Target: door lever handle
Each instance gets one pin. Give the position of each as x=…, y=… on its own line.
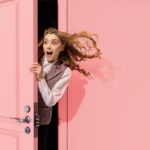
x=27, y=119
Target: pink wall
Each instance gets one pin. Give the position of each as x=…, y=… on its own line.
x=111, y=111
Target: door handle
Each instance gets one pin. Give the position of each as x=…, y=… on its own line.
x=27, y=119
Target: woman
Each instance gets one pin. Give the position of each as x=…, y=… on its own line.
x=58, y=54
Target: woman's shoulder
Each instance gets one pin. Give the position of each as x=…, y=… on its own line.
x=68, y=71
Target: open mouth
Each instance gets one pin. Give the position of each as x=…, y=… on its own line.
x=49, y=53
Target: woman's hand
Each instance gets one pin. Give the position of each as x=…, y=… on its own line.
x=37, y=68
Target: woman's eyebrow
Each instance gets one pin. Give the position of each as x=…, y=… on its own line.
x=52, y=39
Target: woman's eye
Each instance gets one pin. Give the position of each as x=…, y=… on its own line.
x=54, y=43
x=45, y=42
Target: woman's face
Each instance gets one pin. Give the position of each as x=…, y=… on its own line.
x=52, y=46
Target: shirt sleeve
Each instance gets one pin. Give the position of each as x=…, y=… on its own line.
x=52, y=96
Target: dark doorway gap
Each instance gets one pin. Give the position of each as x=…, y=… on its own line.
x=48, y=17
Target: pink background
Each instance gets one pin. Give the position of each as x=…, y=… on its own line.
x=111, y=110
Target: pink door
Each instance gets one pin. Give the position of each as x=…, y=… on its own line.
x=18, y=97
x=112, y=110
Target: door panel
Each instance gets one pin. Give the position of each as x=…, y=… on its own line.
x=110, y=111
x=63, y=104
x=18, y=36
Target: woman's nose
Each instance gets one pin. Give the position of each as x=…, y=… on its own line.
x=49, y=46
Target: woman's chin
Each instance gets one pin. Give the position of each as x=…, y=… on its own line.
x=50, y=60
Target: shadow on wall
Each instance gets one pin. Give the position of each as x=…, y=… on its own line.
x=102, y=71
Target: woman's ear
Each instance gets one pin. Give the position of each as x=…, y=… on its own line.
x=62, y=47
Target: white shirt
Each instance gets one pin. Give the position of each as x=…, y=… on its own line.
x=52, y=96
